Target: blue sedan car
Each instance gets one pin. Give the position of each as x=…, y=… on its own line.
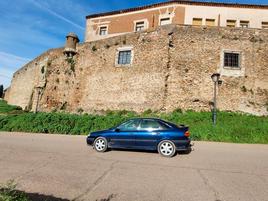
x=143, y=134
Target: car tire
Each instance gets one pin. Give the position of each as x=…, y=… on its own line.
x=100, y=144
x=167, y=148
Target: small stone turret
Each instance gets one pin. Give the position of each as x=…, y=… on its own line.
x=70, y=46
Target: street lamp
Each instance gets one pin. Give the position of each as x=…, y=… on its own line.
x=216, y=79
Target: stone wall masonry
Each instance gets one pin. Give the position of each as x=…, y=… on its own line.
x=197, y=55
x=28, y=78
x=96, y=84
x=171, y=69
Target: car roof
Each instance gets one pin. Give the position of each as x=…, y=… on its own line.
x=146, y=118
x=155, y=119
x=152, y=118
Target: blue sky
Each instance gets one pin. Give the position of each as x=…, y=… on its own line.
x=30, y=27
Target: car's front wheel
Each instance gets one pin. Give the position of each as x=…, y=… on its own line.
x=167, y=148
x=100, y=144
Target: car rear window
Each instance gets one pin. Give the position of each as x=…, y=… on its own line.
x=148, y=124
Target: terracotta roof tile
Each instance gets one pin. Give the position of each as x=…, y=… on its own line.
x=197, y=3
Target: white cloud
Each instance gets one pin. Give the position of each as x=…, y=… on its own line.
x=10, y=60
x=9, y=63
x=44, y=7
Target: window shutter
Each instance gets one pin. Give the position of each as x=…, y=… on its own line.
x=264, y=25
x=210, y=22
x=197, y=21
x=231, y=23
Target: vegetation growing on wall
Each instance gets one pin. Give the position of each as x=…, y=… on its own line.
x=231, y=127
x=49, y=62
x=43, y=69
x=71, y=62
x=94, y=48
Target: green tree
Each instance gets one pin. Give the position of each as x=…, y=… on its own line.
x=1, y=91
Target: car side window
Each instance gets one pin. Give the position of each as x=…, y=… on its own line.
x=148, y=124
x=129, y=125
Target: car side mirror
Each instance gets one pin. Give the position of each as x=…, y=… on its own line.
x=117, y=130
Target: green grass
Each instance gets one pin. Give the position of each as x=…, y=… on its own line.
x=8, y=193
x=231, y=127
x=5, y=108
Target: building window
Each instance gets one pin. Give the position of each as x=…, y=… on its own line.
x=244, y=24
x=210, y=22
x=139, y=26
x=264, y=25
x=124, y=57
x=232, y=59
x=231, y=23
x=197, y=21
x=103, y=31
x=165, y=21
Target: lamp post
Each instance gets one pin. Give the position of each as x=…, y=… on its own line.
x=215, y=78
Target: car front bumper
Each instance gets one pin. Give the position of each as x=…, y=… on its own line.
x=90, y=141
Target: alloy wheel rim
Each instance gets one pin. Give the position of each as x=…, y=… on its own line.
x=166, y=148
x=100, y=144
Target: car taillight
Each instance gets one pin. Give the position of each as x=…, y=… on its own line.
x=187, y=134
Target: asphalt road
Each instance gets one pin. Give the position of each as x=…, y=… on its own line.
x=56, y=167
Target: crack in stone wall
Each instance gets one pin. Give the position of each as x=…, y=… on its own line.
x=167, y=72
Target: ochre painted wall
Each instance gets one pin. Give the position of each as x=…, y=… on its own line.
x=126, y=23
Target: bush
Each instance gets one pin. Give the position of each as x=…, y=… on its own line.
x=231, y=127
x=8, y=193
x=60, y=122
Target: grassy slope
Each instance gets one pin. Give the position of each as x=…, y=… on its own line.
x=5, y=108
x=231, y=127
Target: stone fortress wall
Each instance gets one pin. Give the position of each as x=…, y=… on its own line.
x=171, y=68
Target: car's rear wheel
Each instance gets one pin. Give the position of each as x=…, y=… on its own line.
x=167, y=148
x=100, y=144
